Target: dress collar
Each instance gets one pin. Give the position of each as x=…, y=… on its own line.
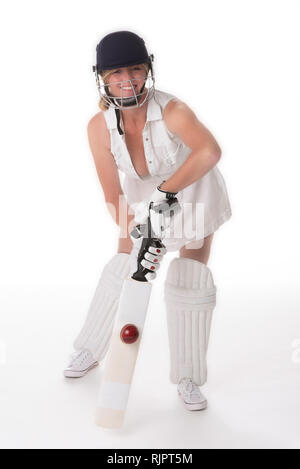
x=154, y=111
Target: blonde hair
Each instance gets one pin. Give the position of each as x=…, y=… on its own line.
x=103, y=105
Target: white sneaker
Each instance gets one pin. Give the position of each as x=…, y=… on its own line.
x=81, y=363
x=191, y=395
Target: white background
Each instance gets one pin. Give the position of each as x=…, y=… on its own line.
x=236, y=63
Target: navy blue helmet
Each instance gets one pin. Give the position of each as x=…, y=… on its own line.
x=123, y=49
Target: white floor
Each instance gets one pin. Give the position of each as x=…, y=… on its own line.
x=253, y=388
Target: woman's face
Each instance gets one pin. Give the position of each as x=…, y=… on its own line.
x=122, y=81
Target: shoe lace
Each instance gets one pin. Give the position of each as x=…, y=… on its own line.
x=77, y=355
x=191, y=387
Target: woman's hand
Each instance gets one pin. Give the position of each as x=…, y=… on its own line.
x=146, y=254
x=160, y=201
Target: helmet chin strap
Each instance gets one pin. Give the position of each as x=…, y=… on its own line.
x=118, y=116
x=125, y=102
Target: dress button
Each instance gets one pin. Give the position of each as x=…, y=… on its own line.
x=147, y=139
x=150, y=162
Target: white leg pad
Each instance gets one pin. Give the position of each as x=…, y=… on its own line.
x=190, y=296
x=97, y=329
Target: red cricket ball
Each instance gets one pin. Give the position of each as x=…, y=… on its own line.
x=129, y=334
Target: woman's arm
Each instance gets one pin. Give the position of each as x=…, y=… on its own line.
x=99, y=141
x=205, y=154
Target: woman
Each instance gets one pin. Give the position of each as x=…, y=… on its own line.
x=163, y=149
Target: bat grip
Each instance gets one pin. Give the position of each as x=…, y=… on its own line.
x=148, y=240
x=140, y=274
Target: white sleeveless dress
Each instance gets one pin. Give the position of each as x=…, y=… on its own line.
x=205, y=204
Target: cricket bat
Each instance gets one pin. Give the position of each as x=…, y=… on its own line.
x=125, y=342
